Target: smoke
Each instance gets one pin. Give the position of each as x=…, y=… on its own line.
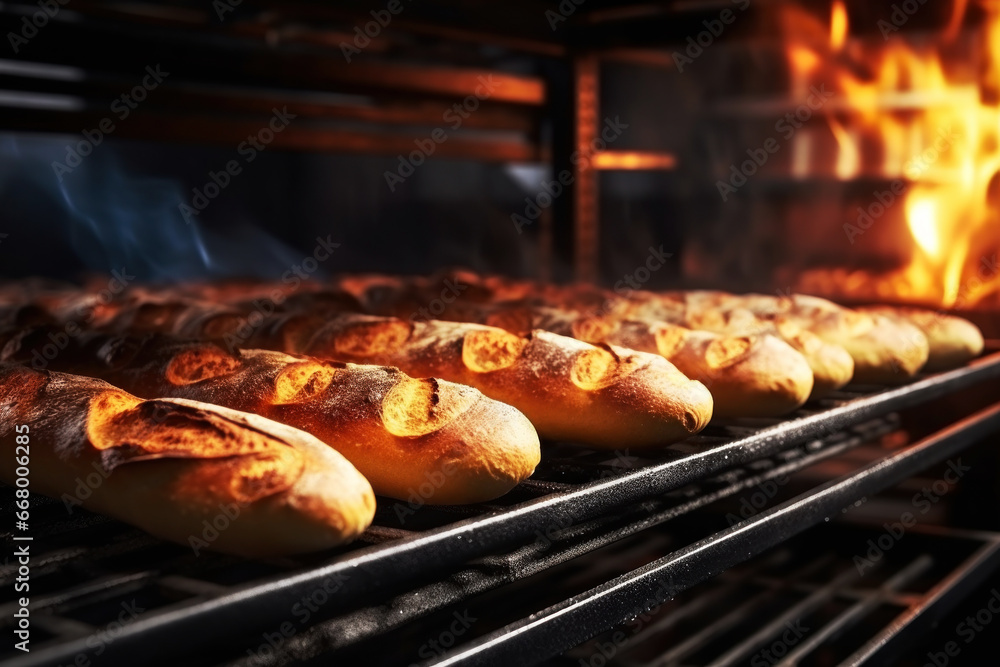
x=107, y=217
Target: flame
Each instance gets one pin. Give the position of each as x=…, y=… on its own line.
x=839, y=26
x=922, y=218
x=918, y=111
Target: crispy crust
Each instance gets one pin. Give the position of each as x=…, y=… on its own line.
x=570, y=390
x=952, y=340
x=398, y=431
x=168, y=465
x=748, y=376
x=884, y=351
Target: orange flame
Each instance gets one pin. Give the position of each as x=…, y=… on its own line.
x=920, y=111
x=839, y=26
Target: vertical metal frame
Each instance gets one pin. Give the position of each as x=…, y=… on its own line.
x=586, y=74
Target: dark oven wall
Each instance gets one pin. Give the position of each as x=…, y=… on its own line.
x=139, y=205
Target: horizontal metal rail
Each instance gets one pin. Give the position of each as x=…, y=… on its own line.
x=559, y=628
x=265, y=605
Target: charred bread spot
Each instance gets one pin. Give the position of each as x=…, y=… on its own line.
x=369, y=339
x=415, y=407
x=30, y=315
x=251, y=464
x=301, y=381
x=200, y=363
x=120, y=351
x=20, y=345
x=487, y=350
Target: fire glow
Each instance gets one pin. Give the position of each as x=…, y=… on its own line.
x=917, y=112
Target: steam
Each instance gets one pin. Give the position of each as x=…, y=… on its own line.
x=114, y=218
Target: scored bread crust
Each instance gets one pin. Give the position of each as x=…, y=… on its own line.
x=952, y=341
x=169, y=466
x=400, y=432
x=748, y=376
x=602, y=396
x=884, y=351
x=641, y=401
x=830, y=365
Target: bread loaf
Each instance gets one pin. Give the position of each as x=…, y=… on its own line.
x=884, y=351
x=170, y=465
x=831, y=365
x=748, y=376
x=398, y=431
x=754, y=382
x=603, y=396
x=952, y=341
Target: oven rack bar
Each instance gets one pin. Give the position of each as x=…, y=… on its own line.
x=885, y=609
x=564, y=545
x=264, y=603
x=561, y=627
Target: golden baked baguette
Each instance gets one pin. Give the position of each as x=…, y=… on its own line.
x=748, y=376
x=952, y=341
x=832, y=366
x=884, y=351
x=169, y=466
x=602, y=396
x=399, y=432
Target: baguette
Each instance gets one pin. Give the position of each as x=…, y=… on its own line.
x=748, y=376
x=952, y=341
x=831, y=364
x=602, y=396
x=170, y=465
x=758, y=380
x=884, y=351
x=399, y=432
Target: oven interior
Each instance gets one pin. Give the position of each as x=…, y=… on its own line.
x=748, y=145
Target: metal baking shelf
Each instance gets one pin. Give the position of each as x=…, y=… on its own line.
x=572, y=486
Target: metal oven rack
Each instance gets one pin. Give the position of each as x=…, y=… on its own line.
x=86, y=566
